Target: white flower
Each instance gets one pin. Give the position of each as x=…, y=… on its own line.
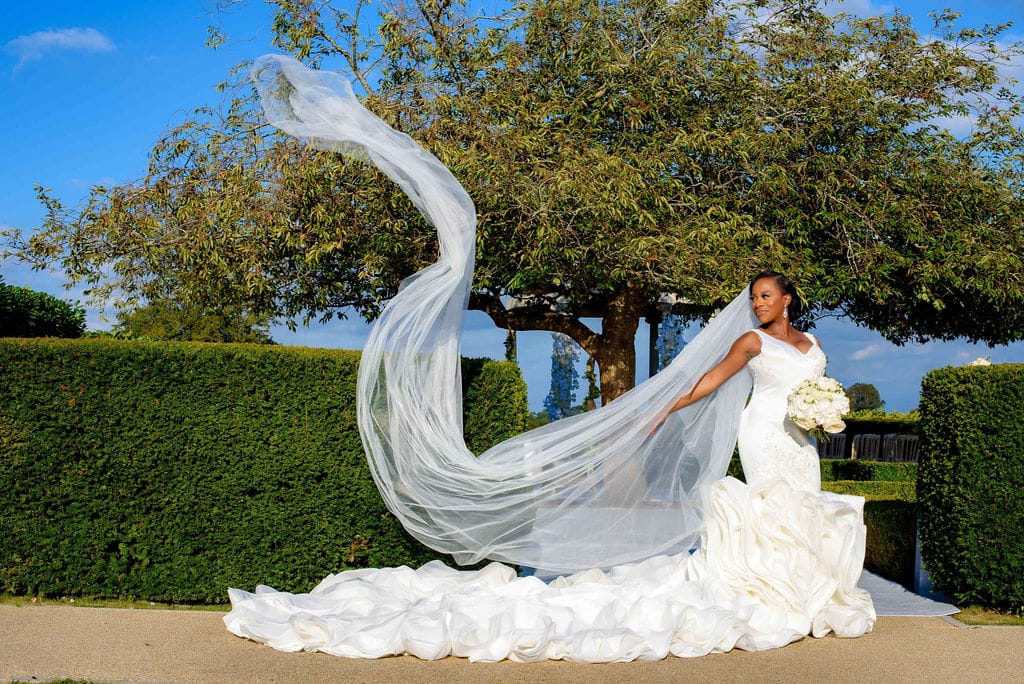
x=835, y=427
x=818, y=404
x=980, y=361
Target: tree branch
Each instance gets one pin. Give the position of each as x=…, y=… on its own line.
x=532, y=318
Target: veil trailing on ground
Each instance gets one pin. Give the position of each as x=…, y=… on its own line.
x=593, y=490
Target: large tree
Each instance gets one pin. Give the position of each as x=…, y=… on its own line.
x=616, y=150
x=184, y=321
x=864, y=397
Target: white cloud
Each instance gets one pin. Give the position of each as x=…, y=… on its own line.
x=859, y=8
x=37, y=45
x=958, y=126
x=1011, y=72
x=867, y=352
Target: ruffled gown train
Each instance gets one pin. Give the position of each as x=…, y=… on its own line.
x=778, y=560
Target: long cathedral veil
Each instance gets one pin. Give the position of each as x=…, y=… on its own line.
x=593, y=490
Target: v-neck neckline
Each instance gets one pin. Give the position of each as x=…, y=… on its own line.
x=787, y=344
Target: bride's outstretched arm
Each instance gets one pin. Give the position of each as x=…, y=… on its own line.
x=743, y=349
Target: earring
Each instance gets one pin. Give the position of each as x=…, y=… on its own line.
x=785, y=314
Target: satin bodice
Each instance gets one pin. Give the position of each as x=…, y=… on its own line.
x=779, y=368
x=771, y=447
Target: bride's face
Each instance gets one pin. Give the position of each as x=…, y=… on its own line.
x=768, y=300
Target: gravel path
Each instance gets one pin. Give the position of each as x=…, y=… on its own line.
x=42, y=643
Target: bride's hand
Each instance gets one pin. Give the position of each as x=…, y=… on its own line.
x=658, y=421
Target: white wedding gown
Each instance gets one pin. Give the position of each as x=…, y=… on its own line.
x=778, y=560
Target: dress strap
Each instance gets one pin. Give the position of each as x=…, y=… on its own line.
x=812, y=338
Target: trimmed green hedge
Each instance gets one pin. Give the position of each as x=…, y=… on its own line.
x=735, y=468
x=171, y=471
x=494, y=400
x=838, y=469
x=890, y=516
x=892, y=539
x=874, y=490
x=971, y=483
x=881, y=423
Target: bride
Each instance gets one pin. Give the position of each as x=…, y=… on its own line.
x=611, y=503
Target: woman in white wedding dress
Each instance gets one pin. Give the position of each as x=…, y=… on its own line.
x=780, y=539
x=777, y=559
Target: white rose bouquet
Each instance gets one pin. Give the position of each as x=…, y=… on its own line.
x=818, y=406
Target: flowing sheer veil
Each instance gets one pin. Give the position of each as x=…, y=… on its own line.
x=594, y=490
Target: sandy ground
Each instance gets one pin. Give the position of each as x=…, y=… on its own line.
x=43, y=643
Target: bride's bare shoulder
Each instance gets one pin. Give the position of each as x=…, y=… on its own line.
x=749, y=344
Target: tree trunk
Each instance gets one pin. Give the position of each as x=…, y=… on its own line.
x=616, y=353
x=612, y=349
x=616, y=359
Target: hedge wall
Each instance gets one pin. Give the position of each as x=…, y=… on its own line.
x=839, y=469
x=971, y=483
x=171, y=471
x=881, y=423
x=890, y=515
x=494, y=400
x=863, y=471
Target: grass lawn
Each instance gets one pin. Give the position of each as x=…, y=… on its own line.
x=976, y=615
x=106, y=603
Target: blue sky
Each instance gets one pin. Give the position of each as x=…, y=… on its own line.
x=88, y=87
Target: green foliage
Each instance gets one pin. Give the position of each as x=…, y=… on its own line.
x=494, y=399
x=735, y=468
x=26, y=313
x=892, y=540
x=171, y=320
x=535, y=420
x=863, y=471
x=874, y=490
x=883, y=416
x=864, y=397
x=971, y=483
x=640, y=147
x=171, y=471
x=881, y=423
x=890, y=515
x=879, y=474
